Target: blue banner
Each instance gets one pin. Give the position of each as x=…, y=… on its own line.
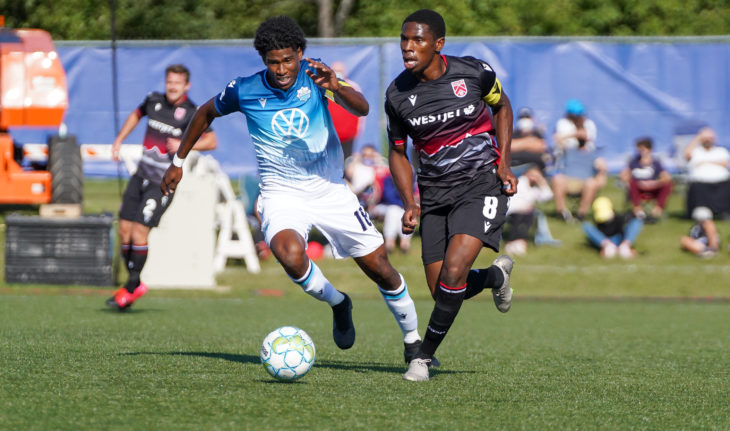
x=630, y=88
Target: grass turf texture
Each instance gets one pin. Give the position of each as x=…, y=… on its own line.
x=173, y=363
x=578, y=360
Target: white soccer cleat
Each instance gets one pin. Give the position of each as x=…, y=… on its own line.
x=503, y=295
x=417, y=370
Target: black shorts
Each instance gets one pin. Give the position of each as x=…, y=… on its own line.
x=715, y=196
x=143, y=202
x=477, y=208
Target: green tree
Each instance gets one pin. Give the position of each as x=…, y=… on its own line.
x=226, y=19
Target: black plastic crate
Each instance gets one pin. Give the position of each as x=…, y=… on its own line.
x=59, y=251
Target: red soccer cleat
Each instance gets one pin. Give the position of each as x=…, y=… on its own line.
x=122, y=299
x=139, y=292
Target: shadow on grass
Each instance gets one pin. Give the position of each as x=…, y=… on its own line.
x=335, y=365
x=130, y=310
x=243, y=359
x=377, y=367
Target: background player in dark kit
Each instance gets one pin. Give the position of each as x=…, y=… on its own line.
x=143, y=203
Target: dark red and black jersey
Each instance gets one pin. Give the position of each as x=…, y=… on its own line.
x=165, y=121
x=448, y=120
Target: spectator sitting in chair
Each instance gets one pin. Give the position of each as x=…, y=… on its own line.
x=612, y=234
x=703, y=239
x=580, y=170
x=528, y=144
x=647, y=180
x=708, y=174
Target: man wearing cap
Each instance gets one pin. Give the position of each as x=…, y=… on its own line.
x=579, y=170
x=612, y=234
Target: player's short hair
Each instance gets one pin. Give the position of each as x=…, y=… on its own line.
x=178, y=68
x=279, y=32
x=645, y=142
x=431, y=18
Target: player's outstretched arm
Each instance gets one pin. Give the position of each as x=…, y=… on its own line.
x=129, y=124
x=200, y=122
x=345, y=95
x=400, y=169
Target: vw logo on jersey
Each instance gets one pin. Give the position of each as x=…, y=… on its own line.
x=290, y=123
x=459, y=88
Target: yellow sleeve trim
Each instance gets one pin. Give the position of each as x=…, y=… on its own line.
x=494, y=94
x=330, y=95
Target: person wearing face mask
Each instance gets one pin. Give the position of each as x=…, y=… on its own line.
x=708, y=174
x=528, y=144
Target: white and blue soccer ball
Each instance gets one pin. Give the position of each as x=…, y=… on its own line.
x=287, y=353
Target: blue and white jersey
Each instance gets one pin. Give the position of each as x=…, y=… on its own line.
x=295, y=141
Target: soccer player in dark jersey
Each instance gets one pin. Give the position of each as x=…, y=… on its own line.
x=453, y=109
x=143, y=203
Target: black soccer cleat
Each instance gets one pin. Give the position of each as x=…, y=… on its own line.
x=410, y=351
x=118, y=299
x=343, y=330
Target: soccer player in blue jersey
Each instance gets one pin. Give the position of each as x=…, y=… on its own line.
x=301, y=167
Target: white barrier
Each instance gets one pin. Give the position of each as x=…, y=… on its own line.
x=184, y=250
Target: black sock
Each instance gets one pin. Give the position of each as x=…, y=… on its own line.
x=126, y=252
x=137, y=260
x=448, y=303
x=479, y=279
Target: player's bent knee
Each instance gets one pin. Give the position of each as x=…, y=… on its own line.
x=453, y=275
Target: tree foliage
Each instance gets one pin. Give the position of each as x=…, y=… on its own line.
x=226, y=19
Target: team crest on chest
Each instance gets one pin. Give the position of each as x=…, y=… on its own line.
x=459, y=88
x=303, y=94
x=179, y=113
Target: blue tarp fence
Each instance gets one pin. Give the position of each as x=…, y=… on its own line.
x=630, y=87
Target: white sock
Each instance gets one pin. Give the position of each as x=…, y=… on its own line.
x=316, y=284
x=401, y=305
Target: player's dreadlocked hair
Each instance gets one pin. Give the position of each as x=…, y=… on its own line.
x=431, y=18
x=280, y=32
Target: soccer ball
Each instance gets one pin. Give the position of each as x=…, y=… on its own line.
x=287, y=353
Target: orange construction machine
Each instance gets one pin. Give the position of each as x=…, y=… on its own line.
x=33, y=94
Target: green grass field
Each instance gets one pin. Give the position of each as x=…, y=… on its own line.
x=588, y=344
